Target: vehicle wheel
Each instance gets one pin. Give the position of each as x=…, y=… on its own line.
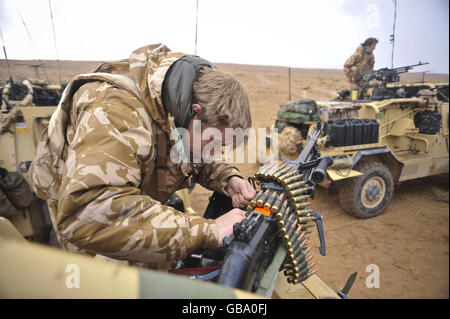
x=368, y=195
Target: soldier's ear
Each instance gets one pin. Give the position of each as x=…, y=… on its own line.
x=197, y=108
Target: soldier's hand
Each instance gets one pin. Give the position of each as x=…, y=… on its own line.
x=241, y=192
x=226, y=222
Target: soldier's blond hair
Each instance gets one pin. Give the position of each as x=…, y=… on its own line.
x=224, y=99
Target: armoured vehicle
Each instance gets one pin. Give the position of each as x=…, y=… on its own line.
x=395, y=132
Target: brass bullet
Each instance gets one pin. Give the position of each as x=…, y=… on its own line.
x=299, y=254
x=298, y=199
x=260, y=201
x=296, y=185
x=285, y=220
x=265, y=168
x=282, y=172
x=277, y=203
x=298, y=192
x=300, y=239
x=299, y=206
x=270, y=199
x=282, y=210
x=292, y=179
x=274, y=170
x=255, y=198
x=306, y=219
x=287, y=175
x=302, y=212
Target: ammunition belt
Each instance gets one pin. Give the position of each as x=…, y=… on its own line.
x=287, y=203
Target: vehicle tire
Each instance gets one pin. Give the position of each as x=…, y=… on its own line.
x=368, y=195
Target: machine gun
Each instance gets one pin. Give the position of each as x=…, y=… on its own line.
x=382, y=76
x=277, y=222
x=386, y=75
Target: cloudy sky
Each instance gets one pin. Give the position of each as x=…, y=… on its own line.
x=307, y=34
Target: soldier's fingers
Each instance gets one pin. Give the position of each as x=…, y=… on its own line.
x=246, y=190
x=238, y=200
x=251, y=192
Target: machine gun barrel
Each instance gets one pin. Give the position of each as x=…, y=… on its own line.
x=386, y=75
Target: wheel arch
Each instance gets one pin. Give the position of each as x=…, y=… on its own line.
x=382, y=155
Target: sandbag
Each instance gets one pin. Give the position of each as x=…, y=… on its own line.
x=16, y=188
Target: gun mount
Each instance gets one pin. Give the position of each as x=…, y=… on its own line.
x=383, y=77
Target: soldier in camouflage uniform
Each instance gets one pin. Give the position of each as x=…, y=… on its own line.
x=362, y=61
x=104, y=167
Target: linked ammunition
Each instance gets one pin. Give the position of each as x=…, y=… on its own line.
x=306, y=219
x=299, y=243
x=307, y=275
x=298, y=199
x=270, y=199
x=292, y=179
x=296, y=262
x=306, y=225
x=296, y=185
x=282, y=210
x=262, y=170
x=299, y=240
x=277, y=203
x=249, y=208
x=255, y=198
x=274, y=170
x=287, y=175
x=301, y=276
x=290, y=230
x=282, y=172
x=298, y=192
x=299, y=206
x=302, y=212
x=299, y=254
x=302, y=263
x=260, y=201
x=291, y=267
x=287, y=219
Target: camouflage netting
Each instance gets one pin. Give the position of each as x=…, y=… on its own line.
x=299, y=111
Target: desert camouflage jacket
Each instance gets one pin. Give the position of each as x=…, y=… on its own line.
x=359, y=63
x=95, y=166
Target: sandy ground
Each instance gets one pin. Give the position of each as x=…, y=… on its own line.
x=409, y=242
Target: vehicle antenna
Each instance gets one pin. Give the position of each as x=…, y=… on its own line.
x=54, y=38
x=6, y=56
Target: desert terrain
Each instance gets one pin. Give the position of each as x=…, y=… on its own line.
x=409, y=242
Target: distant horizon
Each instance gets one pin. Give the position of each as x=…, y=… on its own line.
x=265, y=65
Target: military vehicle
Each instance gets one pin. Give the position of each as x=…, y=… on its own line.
x=395, y=132
x=24, y=114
